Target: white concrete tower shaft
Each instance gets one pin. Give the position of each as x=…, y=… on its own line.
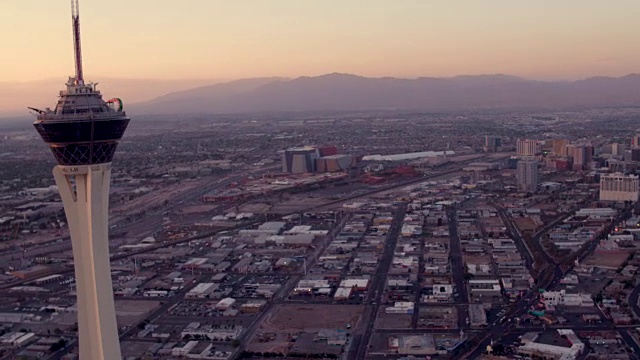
x=85, y=194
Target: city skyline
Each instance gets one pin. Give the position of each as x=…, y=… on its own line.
x=224, y=40
x=359, y=212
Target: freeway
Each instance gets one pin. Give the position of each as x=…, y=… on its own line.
x=140, y=227
x=67, y=244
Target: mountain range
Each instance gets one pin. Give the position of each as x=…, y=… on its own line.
x=16, y=96
x=348, y=92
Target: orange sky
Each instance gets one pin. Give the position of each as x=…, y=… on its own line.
x=222, y=39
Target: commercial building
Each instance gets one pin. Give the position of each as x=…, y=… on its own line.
x=477, y=315
x=561, y=297
x=207, y=332
x=333, y=163
x=401, y=307
x=309, y=159
x=527, y=147
x=581, y=155
x=617, y=149
x=527, y=175
x=554, y=352
x=32, y=272
x=619, y=187
x=328, y=150
x=557, y=147
x=17, y=339
x=485, y=287
x=225, y=303
x=202, y=290
x=492, y=143
x=300, y=160
x=413, y=345
x=342, y=293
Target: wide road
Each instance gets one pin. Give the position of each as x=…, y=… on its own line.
x=455, y=255
x=498, y=329
x=360, y=344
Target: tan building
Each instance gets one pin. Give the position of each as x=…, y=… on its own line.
x=527, y=147
x=619, y=187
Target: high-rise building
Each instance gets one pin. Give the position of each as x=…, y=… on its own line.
x=557, y=147
x=300, y=160
x=617, y=149
x=328, y=150
x=83, y=132
x=635, y=141
x=492, y=143
x=619, y=187
x=527, y=147
x=580, y=155
x=527, y=175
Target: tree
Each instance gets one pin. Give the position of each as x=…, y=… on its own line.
x=58, y=345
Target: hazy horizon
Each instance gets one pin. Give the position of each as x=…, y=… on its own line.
x=15, y=97
x=172, y=46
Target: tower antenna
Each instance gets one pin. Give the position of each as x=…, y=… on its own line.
x=77, y=47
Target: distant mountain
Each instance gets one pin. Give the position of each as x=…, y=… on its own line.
x=16, y=96
x=344, y=92
x=202, y=99
x=352, y=92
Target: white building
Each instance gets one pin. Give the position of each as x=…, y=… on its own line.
x=527, y=175
x=619, y=187
x=184, y=350
x=401, y=307
x=202, y=290
x=527, y=147
x=358, y=284
x=342, y=293
x=225, y=303
x=546, y=351
x=561, y=297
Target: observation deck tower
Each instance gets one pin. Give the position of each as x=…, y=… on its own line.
x=83, y=132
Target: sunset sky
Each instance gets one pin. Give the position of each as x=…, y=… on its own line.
x=141, y=49
x=222, y=39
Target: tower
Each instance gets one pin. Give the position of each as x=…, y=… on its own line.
x=527, y=175
x=527, y=147
x=83, y=132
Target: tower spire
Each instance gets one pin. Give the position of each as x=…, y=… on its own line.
x=75, y=20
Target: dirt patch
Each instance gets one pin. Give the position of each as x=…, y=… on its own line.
x=197, y=209
x=134, y=348
x=314, y=317
x=609, y=260
x=392, y=321
x=255, y=208
x=525, y=224
x=289, y=321
x=129, y=312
